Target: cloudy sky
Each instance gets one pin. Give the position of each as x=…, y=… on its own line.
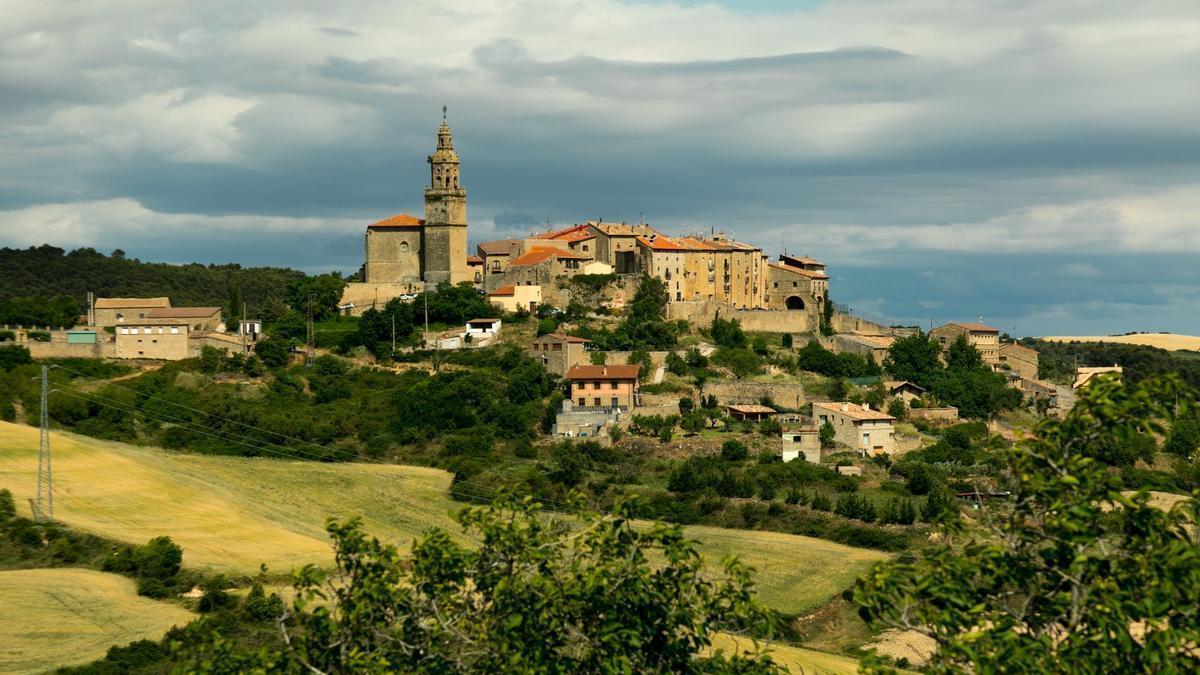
x=1035, y=163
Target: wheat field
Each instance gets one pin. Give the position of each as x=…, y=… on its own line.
x=51, y=618
x=1161, y=340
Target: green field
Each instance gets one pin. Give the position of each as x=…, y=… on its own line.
x=795, y=659
x=229, y=513
x=59, y=617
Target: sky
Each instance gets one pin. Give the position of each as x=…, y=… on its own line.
x=1034, y=164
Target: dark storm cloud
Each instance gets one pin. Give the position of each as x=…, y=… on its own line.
x=1023, y=160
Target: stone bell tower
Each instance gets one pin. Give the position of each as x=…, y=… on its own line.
x=445, y=231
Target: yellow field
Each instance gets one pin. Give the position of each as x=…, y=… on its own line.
x=1160, y=340
x=795, y=659
x=51, y=618
x=229, y=514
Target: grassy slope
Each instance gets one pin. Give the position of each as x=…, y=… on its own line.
x=229, y=514
x=58, y=617
x=795, y=659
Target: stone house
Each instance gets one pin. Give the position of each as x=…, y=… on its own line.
x=616, y=243
x=870, y=432
x=558, y=352
x=796, y=283
x=578, y=238
x=1018, y=359
x=163, y=339
x=510, y=297
x=497, y=254
x=803, y=444
x=540, y=266
x=705, y=270
x=199, y=318
x=750, y=411
x=904, y=390
x=604, y=387
x=1085, y=374
x=874, y=347
x=117, y=311
x=984, y=338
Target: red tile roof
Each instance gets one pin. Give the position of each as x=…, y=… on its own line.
x=570, y=234
x=660, y=243
x=977, y=327
x=508, y=289
x=399, y=220
x=540, y=254
x=802, y=272
x=474, y=260
x=603, y=372
x=182, y=312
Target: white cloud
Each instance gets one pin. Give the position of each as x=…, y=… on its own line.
x=97, y=223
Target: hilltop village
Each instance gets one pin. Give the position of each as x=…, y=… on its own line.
x=593, y=368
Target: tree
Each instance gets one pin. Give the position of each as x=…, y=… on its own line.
x=324, y=291
x=734, y=450
x=535, y=595
x=742, y=362
x=727, y=333
x=963, y=356
x=273, y=351
x=827, y=435
x=759, y=345
x=686, y=405
x=1071, y=575
x=916, y=358
x=641, y=357
x=897, y=409
x=827, y=310
x=676, y=364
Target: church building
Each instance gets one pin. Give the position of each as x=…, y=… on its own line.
x=415, y=252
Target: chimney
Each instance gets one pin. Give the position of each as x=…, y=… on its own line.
x=604, y=370
x=866, y=406
x=844, y=407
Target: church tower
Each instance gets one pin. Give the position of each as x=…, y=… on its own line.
x=445, y=231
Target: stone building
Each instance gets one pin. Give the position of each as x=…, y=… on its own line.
x=497, y=254
x=164, y=339
x=604, y=387
x=984, y=338
x=558, y=352
x=199, y=318
x=116, y=311
x=803, y=443
x=796, y=283
x=1019, y=359
x=705, y=270
x=616, y=243
x=855, y=426
x=403, y=254
x=510, y=297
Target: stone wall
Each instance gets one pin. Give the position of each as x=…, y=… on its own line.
x=848, y=323
x=59, y=348
x=364, y=296
x=946, y=414
x=701, y=313
x=787, y=394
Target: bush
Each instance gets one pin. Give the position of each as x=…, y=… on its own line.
x=734, y=450
x=8, y=508
x=153, y=588
x=38, y=335
x=821, y=502
x=897, y=409
x=13, y=355
x=770, y=427
x=827, y=435
x=727, y=333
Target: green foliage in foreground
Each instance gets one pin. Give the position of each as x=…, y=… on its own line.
x=1072, y=576
x=538, y=595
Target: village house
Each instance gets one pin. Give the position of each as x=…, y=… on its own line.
x=558, y=352
x=199, y=318
x=904, y=390
x=108, y=312
x=858, y=426
x=497, y=254
x=750, y=412
x=1019, y=359
x=164, y=339
x=714, y=269
x=983, y=338
x=1085, y=374
x=605, y=386
x=874, y=347
x=796, y=284
x=616, y=243
x=539, y=266
x=483, y=328
x=511, y=297
x=803, y=443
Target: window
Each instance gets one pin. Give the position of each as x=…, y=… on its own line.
x=582, y=402
x=597, y=400
x=174, y=330
x=585, y=248
x=557, y=347
x=145, y=331
x=614, y=402
x=612, y=385
x=404, y=247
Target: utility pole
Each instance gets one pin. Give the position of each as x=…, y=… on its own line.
x=45, y=486
x=393, y=333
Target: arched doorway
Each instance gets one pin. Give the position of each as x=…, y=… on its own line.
x=795, y=302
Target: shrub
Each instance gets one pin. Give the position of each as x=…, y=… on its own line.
x=38, y=336
x=897, y=409
x=827, y=435
x=821, y=502
x=8, y=508
x=734, y=450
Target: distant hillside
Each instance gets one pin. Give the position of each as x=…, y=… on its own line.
x=34, y=276
x=1161, y=340
x=1057, y=360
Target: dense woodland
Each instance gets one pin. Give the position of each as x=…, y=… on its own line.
x=46, y=285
